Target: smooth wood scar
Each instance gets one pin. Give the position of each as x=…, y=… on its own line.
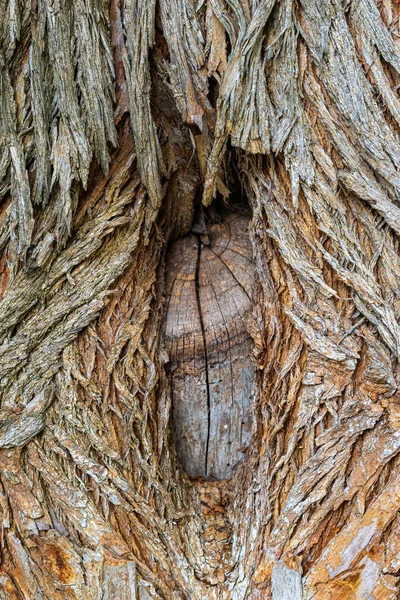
x=209, y=290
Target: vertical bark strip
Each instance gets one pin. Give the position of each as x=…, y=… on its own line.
x=121, y=121
x=139, y=30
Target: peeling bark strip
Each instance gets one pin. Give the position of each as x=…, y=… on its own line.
x=209, y=290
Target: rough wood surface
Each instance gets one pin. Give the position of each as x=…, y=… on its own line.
x=209, y=290
x=116, y=118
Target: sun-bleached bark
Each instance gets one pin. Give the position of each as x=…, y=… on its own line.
x=119, y=121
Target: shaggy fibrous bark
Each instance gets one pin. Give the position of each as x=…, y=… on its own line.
x=118, y=120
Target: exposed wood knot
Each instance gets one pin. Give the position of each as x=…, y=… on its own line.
x=209, y=289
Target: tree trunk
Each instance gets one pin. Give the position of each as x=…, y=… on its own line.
x=199, y=314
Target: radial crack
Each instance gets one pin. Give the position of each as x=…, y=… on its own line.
x=205, y=351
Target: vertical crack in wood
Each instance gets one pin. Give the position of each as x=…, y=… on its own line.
x=230, y=357
x=197, y=285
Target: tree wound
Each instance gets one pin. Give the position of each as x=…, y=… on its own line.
x=209, y=290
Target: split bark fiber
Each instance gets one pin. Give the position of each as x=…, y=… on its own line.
x=116, y=118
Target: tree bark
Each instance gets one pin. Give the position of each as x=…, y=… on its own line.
x=127, y=125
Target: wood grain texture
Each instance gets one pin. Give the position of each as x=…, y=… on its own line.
x=209, y=297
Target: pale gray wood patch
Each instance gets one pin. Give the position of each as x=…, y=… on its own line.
x=209, y=299
x=286, y=583
x=119, y=582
